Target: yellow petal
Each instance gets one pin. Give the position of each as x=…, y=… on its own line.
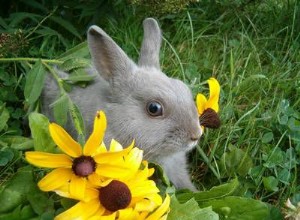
x=134, y=159
x=99, y=213
x=89, y=194
x=94, y=179
x=115, y=146
x=162, y=210
x=143, y=215
x=96, y=137
x=143, y=188
x=43, y=159
x=102, y=148
x=106, y=182
x=164, y=217
x=64, y=141
x=214, y=94
x=155, y=197
x=105, y=217
x=201, y=103
x=145, y=205
x=82, y=210
x=125, y=214
x=55, y=179
x=77, y=187
x=115, y=172
x=112, y=157
x=151, y=172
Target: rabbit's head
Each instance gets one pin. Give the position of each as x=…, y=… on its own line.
x=142, y=103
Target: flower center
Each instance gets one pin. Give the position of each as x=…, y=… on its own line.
x=210, y=119
x=115, y=196
x=83, y=166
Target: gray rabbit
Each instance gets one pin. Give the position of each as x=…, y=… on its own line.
x=140, y=101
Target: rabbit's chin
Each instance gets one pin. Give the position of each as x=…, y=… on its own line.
x=191, y=145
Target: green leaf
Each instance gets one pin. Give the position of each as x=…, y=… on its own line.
x=36, y=5
x=294, y=124
x=80, y=50
x=190, y=211
x=276, y=157
x=159, y=173
x=34, y=82
x=284, y=176
x=60, y=109
x=4, y=116
x=19, y=213
x=18, y=142
x=80, y=75
x=3, y=23
x=39, y=201
x=6, y=155
x=270, y=183
x=67, y=203
x=283, y=120
x=220, y=191
x=42, y=140
x=267, y=137
x=16, y=18
x=274, y=213
x=236, y=162
x=16, y=189
x=78, y=122
x=74, y=63
x=237, y=208
x=66, y=25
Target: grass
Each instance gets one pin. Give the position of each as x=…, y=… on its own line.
x=253, y=51
x=257, y=68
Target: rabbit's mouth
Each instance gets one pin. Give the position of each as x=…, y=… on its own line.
x=191, y=145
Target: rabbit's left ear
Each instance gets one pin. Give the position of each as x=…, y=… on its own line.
x=149, y=55
x=109, y=59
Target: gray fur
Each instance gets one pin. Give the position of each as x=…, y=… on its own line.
x=123, y=88
x=149, y=55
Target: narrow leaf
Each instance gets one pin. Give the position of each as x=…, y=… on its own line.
x=80, y=50
x=80, y=75
x=4, y=116
x=60, y=109
x=78, y=122
x=66, y=25
x=34, y=82
x=74, y=63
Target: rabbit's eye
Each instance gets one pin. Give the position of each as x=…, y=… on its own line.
x=154, y=108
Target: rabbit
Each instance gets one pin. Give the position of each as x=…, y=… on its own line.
x=140, y=101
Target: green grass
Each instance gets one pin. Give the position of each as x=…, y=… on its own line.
x=254, y=56
x=251, y=48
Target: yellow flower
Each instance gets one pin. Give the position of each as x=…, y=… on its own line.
x=78, y=166
x=208, y=108
x=134, y=197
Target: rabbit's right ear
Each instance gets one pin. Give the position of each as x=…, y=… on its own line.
x=109, y=59
x=151, y=44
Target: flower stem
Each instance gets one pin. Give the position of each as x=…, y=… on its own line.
x=29, y=59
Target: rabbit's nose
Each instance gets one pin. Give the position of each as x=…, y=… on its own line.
x=195, y=136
